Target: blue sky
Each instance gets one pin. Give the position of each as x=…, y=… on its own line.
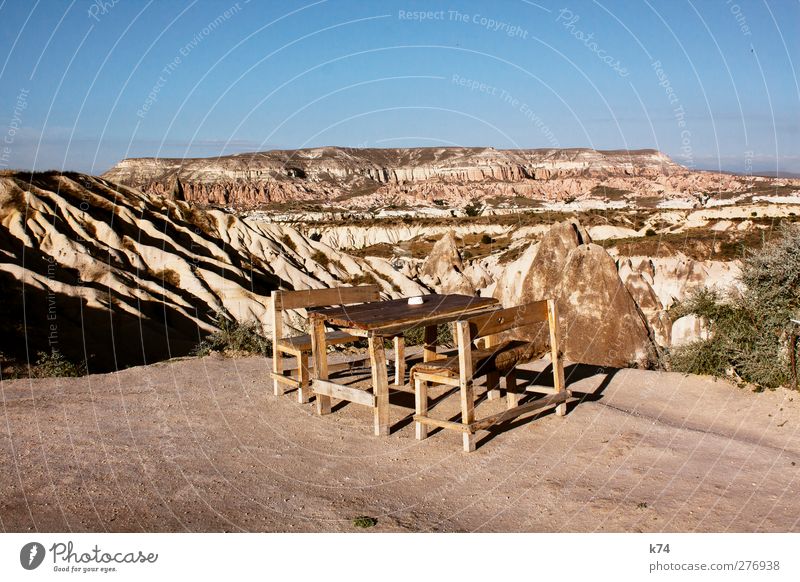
x=713, y=83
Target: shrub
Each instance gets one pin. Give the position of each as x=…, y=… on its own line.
x=233, y=336
x=364, y=521
x=486, y=239
x=748, y=331
x=444, y=336
x=288, y=242
x=55, y=365
x=650, y=232
x=366, y=278
x=473, y=209
x=321, y=258
x=167, y=277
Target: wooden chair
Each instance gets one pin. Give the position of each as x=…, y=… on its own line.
x=492, y=360
x=299, y=346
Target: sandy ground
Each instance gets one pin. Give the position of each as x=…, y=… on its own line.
x=203, y=445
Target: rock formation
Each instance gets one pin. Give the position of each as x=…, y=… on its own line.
x=443, y=270
x=364, y=178
x=601, y=323
x=109, y=275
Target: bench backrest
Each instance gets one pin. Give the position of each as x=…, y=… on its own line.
x=325, y=297
x=506, y=319
x=491, y=325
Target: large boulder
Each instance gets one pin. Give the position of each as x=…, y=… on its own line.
x=602, y=323
x=546, y=270
x=443, y=270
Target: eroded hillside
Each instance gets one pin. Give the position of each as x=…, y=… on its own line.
x=344, y=179
x=109, y=275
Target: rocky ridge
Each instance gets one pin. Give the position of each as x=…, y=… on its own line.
x=451, y=177
x=116, y=277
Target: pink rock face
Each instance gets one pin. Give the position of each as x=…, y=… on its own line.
x=368, y=177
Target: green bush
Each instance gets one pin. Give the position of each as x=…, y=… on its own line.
x=444, y=336
x=749, y=330
x=321, y=258
x=473, y=209
x=55, y=365
x=233, y=336
x=289, y=243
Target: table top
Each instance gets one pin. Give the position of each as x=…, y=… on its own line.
x=396, y=315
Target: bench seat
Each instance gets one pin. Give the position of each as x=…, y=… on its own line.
x=302, y=343
x=501, y=358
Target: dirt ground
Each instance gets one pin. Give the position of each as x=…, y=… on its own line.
x=203, y=445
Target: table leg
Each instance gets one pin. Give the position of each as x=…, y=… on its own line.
x=304, y=390
x=380, y=385
x=399, y=360
x=429, y=344
x=493, y=378
x=319, y=351
x=421, y=407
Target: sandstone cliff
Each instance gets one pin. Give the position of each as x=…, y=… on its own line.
x=362, y=178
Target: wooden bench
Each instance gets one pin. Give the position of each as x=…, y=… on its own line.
x=494, y=360
x=299, y=346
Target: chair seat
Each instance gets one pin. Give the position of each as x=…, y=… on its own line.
x=501, y=358
x=302, y=343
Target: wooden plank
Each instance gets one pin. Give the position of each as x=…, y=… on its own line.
x=505, y=319
x=279, y=377
x=350, y=363
x=518, y=411
x=380, y=386
x=302, y=343
x=555, y=353
x=448, y=424
x=333, y=296
x=391, y=330
x=320, y=355
x=446, y=380
x=398, y=312
x=467, y=392
x=276, y=320
x=327, y=389
x=399, y=360
x=420, y=407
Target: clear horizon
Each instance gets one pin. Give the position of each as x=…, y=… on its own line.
x=712, y=84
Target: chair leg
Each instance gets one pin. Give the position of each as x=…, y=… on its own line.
x=399, y=360
x=468, y=414
x=421, y=406
x=493, y=385
x=277, y=369
x=319, y=349
x=512, y=396
x=304, y=390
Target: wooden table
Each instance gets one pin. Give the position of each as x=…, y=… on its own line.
x=378, y=321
